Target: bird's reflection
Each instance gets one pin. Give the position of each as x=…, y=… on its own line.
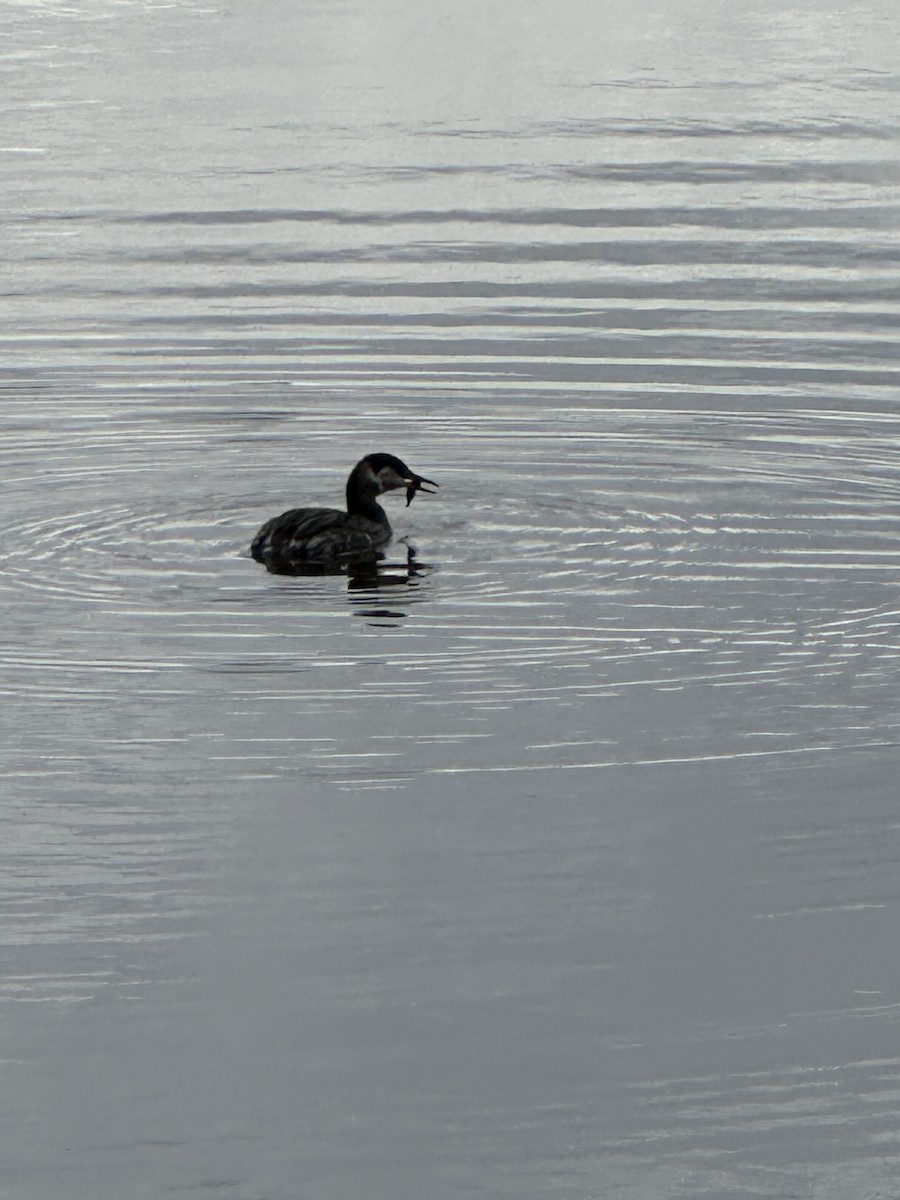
x=367, y=578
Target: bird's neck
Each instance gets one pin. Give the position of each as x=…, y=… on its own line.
x=362, y=503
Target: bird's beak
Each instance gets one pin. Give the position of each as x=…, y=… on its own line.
x=417, y=484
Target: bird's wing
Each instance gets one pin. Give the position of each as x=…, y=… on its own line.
x=294, y=527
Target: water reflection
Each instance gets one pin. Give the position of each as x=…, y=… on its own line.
x=366, y=578
x=371, y=570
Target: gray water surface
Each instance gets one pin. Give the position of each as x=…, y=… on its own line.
x=565, y=864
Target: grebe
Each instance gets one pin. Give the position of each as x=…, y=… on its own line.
x=327, y=535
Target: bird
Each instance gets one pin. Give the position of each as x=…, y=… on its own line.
x=328, y=537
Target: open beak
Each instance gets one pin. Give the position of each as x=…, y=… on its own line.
x=417, y=484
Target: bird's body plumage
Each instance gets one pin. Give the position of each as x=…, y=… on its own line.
x=319, y=533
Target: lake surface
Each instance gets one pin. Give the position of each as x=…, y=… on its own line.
x=565, y=863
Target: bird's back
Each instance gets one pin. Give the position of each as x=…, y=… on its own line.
x=318, y=534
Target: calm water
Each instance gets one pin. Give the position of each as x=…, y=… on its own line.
x=566, y=865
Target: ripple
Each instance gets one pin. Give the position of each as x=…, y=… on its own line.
x=663, y=502
x=680, y=553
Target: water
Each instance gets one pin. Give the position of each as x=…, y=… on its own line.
x=566, y=863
